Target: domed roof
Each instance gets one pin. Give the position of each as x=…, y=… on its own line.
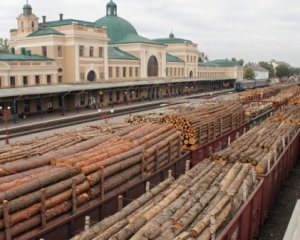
x=111, y=4
x=117, y=28
x=27, y=9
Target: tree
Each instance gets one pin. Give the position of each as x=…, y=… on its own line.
x=283, y=71
x=294, y=71
x=241, y=62
x=269, y=67
x=4, y=48
x=248, y=73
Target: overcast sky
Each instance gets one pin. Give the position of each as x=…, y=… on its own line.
x=250, y=29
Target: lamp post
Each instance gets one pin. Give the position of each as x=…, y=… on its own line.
x=5, y=115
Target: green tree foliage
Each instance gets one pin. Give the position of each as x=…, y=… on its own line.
x=248, y=73
x=269, y=67
x=4, y=48
x=283, y=71
x=241, y=62
x=294, y=71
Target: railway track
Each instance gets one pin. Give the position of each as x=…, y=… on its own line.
x=23, y=130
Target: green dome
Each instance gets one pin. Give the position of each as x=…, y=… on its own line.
x=111, y=4
x=27, y=10
x=117, y=28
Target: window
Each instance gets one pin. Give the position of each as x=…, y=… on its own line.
x=50, y=104
x=12, y=81
x=26, y=106
x=91, y=51
x=91, y=76
x=100, y=52
x=44, y=51
x=136, y=71
x=0, y=82
x=124, y=72
x=60, y=79
x=38, y=105
x=81, y=51
x=32, y=24
x=48, y=79
x=82, y=75
x=59, y=51
x=117, y=72
x=82, y=100
x=110, y=72
x=130, y=72
x=110, y=94
x=101, y=75
x=25, y=80
x=152, y=67
x=37, y=80
x=167, y=71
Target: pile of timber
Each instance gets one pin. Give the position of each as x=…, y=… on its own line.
x=258, y=94
x=196, y=206
x=36, y=190
x=255, y=109
x=42, y=145
x=207, y=123
x=145, y=118
x=284, y=96
x=295, y=101
x=263, y=93
x=261, y=146
x=290, y=115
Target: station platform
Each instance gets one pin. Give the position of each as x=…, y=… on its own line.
x=56, y=116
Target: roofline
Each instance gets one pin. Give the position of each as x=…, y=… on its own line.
x=32, y=90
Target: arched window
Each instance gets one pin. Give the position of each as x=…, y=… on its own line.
x=60, y=70
x=152, y=67
x=22, y=25
x=32, y=24
x=91, y=76
x=191, y=74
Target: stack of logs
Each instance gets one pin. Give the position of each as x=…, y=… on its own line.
x=255, y=109
x=262, y=145
x=290, y=115
x=42, y=145
x=35, y=190
x=284, y=96
x=259, y=94
x=196, y=206
x=207, y=123
x=295, y=101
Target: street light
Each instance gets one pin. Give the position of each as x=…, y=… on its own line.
x=5, y=114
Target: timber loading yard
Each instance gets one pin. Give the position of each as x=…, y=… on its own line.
x=211, y=166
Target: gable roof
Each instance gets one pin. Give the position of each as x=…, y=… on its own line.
x=172, y=40
x=219, y=63
x=116, y=53
x=21, y=57
x=135, y=38
x=44, y=32
x=257, y=68
x=67, y=22
x=171, y=58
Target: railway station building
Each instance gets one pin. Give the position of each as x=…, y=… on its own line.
x=69, y=64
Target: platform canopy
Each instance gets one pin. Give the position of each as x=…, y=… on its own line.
x=63, y=88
